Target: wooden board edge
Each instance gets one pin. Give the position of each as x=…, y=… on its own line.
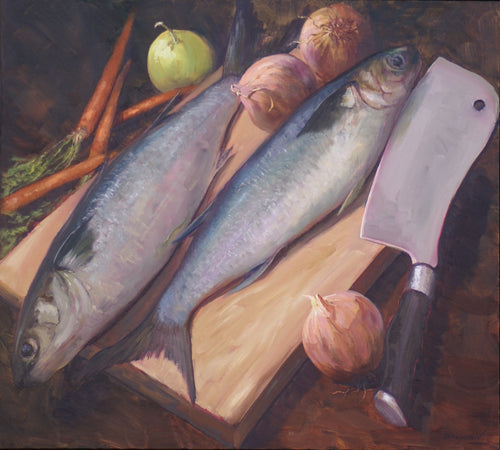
x=230, y=435
x=297, y=358
x=377, y=267
x=233, y=435
x=10, y=298
x=141, y=383
x=269, y=395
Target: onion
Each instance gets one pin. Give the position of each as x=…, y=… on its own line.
x=344, y=335
x=273, y=87
x=179, y=58
x=333, y=39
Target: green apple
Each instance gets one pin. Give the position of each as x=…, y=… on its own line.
x=179, y=58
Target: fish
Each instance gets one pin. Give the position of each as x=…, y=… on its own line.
x=124, y=229
x=120, y=235
x=314, y=164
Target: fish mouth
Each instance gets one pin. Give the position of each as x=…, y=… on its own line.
x=22, y=382
x=21, y=374
x=414, y=58
x=18, y=375
x=49, y=341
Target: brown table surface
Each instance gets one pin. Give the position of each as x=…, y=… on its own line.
x=52, y=54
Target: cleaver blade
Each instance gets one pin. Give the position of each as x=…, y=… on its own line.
x=444, y=126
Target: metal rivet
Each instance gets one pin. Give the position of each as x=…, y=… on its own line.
x=479, y=105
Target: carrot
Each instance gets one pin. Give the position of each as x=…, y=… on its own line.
x=103, y=132
x=36, y=190
x=97, y=102
x=150, y=103
x=61, y=154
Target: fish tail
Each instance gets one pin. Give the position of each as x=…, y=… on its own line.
x=174, y=341
x=151, y=338
x=132, y=347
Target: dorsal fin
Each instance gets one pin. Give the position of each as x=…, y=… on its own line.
x=253, y=275
x=196, y=223
x=353, y=195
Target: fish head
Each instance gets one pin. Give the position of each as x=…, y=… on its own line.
x=388, y=78
x=47, y=334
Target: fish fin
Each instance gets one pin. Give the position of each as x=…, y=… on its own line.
x=241, y=49
x=224, y=157
x=351, y=196
x=252, y=275
x=132, y=347
x=226, y=153
x=195, y=224
x=163, y=114
x=174, y=341
x=151, y=338
x=75, y=225
x=77, y=250
x=174, y=238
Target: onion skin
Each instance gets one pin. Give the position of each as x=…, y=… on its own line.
x=273, y=87
x=333, y=39
x=344, y=335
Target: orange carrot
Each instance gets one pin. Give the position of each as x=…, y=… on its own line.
x=97, y=102
x=150, y=103
x=36, y=190
x=103, y=132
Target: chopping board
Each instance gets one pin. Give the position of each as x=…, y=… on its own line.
x=246, y=345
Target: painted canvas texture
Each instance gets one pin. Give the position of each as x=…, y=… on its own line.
x=161, y=278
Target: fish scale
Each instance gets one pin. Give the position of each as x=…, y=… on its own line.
x=286, y=188
x=275, y=208
x=315, y=163
x=120, y=234
x=311, y=166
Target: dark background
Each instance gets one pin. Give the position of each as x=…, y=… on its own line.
x=52, y=54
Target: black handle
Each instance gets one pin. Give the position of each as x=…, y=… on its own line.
x=394, y=399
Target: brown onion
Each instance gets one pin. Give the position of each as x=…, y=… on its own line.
x=344, y=335
x=273, y=87
x=333, y=39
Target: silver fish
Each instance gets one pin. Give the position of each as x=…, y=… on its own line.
x=120, y=235
x=314, y=164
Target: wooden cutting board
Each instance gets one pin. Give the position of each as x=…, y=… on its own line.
x=247, y=345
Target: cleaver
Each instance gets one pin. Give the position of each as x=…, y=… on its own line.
x=445, y=124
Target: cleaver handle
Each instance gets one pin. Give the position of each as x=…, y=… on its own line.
x=403, y=342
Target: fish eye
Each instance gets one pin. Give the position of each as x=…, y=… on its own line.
x=29, y=348
x=396, y=61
